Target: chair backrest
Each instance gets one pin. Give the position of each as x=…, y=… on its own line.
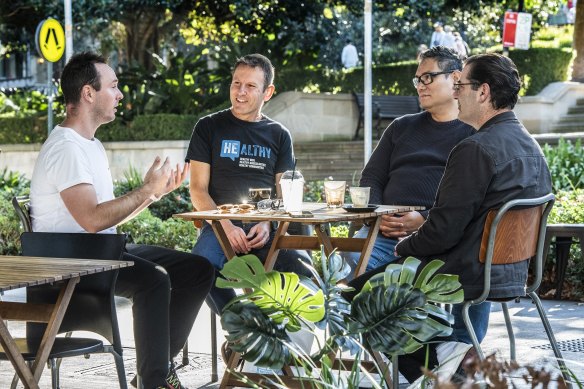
x=515, y=233
x=92, y=306
x=21, y=206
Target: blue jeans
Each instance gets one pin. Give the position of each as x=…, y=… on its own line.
x=207, y=246
x=479, y=317
x=382, y=252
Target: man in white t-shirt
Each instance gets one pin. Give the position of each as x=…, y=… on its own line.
x=72, y=191
x=349, y=56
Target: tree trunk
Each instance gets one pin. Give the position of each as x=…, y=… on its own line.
x=142, y=38
x=578, y=67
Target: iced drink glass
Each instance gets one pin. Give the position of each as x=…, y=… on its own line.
x=360, y=196
x=292, y=184
x=334, y=192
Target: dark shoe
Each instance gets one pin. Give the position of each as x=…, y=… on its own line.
x=134, y=381
x=466, y=368
x=172, y=381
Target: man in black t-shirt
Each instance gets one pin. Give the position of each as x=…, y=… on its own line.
x=231, y=151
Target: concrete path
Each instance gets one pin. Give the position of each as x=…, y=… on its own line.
x=97, y=372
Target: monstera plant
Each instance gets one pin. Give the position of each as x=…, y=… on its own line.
x=396, y=312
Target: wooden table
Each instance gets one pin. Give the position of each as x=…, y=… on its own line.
x=321, y=217
x=19, y=272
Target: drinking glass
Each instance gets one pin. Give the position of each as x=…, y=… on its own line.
x=334, y=192
x=360, y=196
x=258, y=194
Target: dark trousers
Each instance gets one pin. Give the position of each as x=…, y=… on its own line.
x=167, y=288
x=208, y=246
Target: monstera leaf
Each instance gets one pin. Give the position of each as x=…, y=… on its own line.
x=285, y=298
x=255, y=336
x=337, y=309
x=396, y=311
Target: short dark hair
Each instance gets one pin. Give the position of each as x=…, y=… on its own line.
x=80, y=71
x=446, y=58
x=500, y=73
x=255, y=60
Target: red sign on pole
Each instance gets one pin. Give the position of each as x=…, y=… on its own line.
x=509, y=27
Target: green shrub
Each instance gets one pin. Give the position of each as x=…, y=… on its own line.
x=10, y=228
x=176, y=202
x=13, y=184
x=541, y=66
x=568, y=209
x=172, y=233
x=395, y=79
x=23, y=130
x=566, y=163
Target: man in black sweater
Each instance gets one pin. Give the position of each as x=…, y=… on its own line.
x=408, y=162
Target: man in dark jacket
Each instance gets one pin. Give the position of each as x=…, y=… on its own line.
x=501, y=162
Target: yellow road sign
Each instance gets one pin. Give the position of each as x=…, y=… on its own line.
x=50, y=40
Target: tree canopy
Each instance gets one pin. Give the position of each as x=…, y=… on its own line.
x=291, y=32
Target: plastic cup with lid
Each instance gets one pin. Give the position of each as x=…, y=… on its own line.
x=292, y=184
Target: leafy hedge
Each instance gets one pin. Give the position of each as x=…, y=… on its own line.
x=23, y=130
x=393, y=79
x=541, y=66
x=161, y=126
x=538, y=66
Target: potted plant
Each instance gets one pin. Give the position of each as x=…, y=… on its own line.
x=396, y=312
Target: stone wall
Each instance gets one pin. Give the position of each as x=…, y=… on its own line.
x=539, y=113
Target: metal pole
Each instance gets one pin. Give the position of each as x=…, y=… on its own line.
x=68, y=31
x=367, y=85
x=50, y=97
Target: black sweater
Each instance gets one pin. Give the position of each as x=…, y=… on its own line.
x=408, y=162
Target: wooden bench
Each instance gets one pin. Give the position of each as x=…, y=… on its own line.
x=385, y=107
x=564, y=234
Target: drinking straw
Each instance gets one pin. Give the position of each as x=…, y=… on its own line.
x=293, y=170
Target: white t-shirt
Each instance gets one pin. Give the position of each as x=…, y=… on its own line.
x=65, y=160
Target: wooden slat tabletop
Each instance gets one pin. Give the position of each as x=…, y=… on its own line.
x=20, y=271
x=321, y=214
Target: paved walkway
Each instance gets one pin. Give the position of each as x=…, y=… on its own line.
x=97, y=372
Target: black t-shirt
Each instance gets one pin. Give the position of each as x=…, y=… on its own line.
x=241, y=154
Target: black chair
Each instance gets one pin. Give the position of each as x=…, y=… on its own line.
x=21, y=206
x=515, y=233
x=92, y=307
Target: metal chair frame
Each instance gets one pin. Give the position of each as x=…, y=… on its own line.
x=545, y=203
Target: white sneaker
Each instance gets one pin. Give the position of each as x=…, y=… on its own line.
x=450, y=356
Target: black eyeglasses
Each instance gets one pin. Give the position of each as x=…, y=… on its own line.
x=428, y=78
x=458, y=85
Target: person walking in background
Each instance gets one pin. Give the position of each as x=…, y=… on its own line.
x=437, y=35
x=460, y=45
x=72, y=191
x=349, y=56
x=448, y=40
